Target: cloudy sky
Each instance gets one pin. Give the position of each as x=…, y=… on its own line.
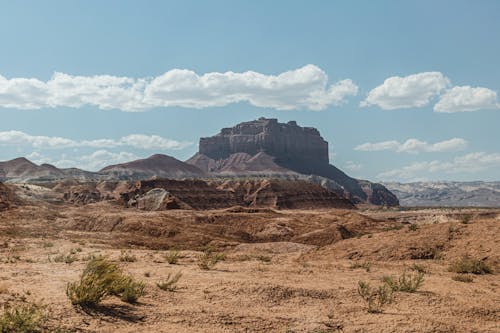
x=402, y=90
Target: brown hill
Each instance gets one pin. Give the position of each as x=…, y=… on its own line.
x=7, y=197
x=161, y=166
x=200, y=195
x=21, y=168
x=269, y=147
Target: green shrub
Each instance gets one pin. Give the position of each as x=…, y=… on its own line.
x=209, y=259
x=170, y=283
x=172, y=257
x=413, y=227
x=409, y=283
x=470, y=265
x=406, y=283
x=376, y=298
x=100, y=279
x=26, y=318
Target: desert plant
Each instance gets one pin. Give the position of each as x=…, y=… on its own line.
x=462, y=278
x=100, y=279
x=172, y=257
x=26, y=318
x=365, y=265
x=129, y=290
x=466, y=218
x=376, y=298
x=68, y=258
x=170, y=283
x=413, y=227
x=127, y=256
x=209, y=259
x=409, y=283
x=470, y=265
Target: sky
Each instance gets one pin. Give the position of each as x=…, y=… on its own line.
x=402, y=90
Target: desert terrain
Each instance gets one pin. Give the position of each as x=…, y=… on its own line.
x=277, y=270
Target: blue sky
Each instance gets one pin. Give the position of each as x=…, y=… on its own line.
x=402, y=90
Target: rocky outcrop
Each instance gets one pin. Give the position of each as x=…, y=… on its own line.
x=7, y=197
x=197, y=194
x=267, y=147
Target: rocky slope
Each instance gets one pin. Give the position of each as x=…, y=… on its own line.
x=474, y=194
x=164, y=194
x=23, y=170
x=265, y=146
x=7, y=197
x=161, y=166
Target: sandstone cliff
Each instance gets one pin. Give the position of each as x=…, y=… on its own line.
x=265, y=146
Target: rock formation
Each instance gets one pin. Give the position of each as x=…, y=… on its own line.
x=268, y=147
x=158, y=165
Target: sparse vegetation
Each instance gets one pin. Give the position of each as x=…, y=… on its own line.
x=419, y=268
x=365, y=265
x=127, y=256
x=172, y=257
x=376, y=298
x=170, y=283
x=209, y=259
x=413, y=227
x=462, y=278
x=25, y=318
x=470, y=265
x=65, y=258
x=466, y=218
x=100, y=279
x=406, y=283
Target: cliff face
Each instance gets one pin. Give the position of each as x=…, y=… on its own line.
x=279, y=148
x=283, y=141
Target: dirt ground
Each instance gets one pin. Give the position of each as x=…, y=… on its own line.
x=284, y=271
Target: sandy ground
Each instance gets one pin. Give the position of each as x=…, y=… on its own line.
x=289, y=284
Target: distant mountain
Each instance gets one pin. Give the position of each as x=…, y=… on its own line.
x=455, y=194
x=267, y=147
x=160, y=166
x=21, y=168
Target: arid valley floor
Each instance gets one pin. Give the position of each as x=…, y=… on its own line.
x=282, y=271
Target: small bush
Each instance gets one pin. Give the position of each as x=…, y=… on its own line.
x=466, y=218
x=68, y=258
x=470, y=265
x=127, y=256
x=462, y=278
x=409, y=283
x=170, y=283
x=419, y=268
x=130, y=290
x=365, y=265
x=172, y=257
x=26, y=318
x=412, y=227
x=209, y=259
x=406, y=283
x=376, y=298
x=100, y=279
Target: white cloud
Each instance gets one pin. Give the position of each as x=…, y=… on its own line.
x=353, y=166
x=466, y=98
x=469, y=163
x=302, y=88
x=91, y=162
x=411, y=91
x=140, y=141
x=415, y=146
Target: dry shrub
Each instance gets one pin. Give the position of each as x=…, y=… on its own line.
x=101, y=279
x=463, y=278
x=170, y=283
x=471, y=266
x=172, y=257
x=25, y=318
x=209, y=259
x=376, y=298
x=127, y=256
x=408, y=283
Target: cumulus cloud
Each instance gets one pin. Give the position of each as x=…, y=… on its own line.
x=302, y=88
x=353, y=166
x=411, y=91
x=469, y=163
x=466, y=98
x=139, y=141
x=415, y=146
